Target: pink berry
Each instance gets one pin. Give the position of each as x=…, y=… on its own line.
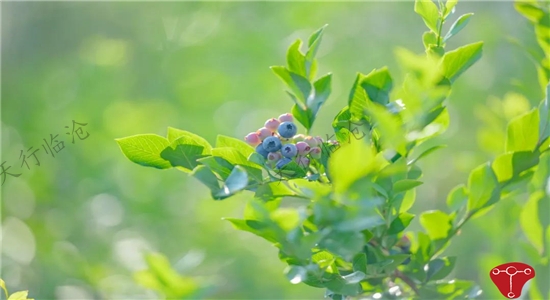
x=311, y=141
x=315, y=152
x=264, y=133
x=253, y=139
x=272, y=124
x=303, y=148
x=302, y=161
x=274, y=156
x=286, y=118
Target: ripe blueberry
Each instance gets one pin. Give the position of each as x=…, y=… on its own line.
x=253, y=139
x=272, y=144
x=286, y=118
x=264, y=133
x=289, y=150
x=272, y=124
x=303, y=148
x=287, y=129
x=283, y=162
x=260, y=149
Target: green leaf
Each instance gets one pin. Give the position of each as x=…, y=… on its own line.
x=360, y=262
x=509, y=165
x=439, y=268
x=459, y=60
x=483, y=187
x=185, y=150
x=457, y=26
x=237, y=181
x=218, y=165
x=523, y=132
x=21, y=295
x=436, y=223
x=340, y=286
x=529, y=219
x=429, y=13
x=295, y=59
x=296, y=274
x=354, y=277
x=405, y=185
x=357, y=99
x=350, y=163
x=378, y=85
x=299, y=85
x=457, y=197
x=313, y=45
x=207, y=177
x=241, y=146
x=389, y=126
x=174, y=134
x=449, y=5
x=344, y=244
x=145, y=150
x=400, y=223
x=3, y=286
x=304, y=116
x=272, y=190
x=530, y=11
x=429, y=38
x=321, y=92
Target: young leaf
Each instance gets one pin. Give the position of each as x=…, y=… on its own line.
x=429, y=38
x=184, y=152
x=523, y=132
x=459, y=60
x=483, y=187
x=145, y=150
x=236, y=182
x=207, y=177
x=321, y=92
x=378, y=85
x=437, y=224
x=299, y=85
x=529, y=219
x=429, y=13
x=400, y=223
x=357, y=99
x=449, y=6
x=457, y=197
x=313, y=45
x=3, y=286
x=304, y=116
x=405, y=185
x=21, y=295
x=295, y=59
x=226, y=141
x=457, y=26
x=439, y=268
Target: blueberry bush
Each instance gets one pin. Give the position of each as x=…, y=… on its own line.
x=337, y=206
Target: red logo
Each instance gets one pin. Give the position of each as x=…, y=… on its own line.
x=511, y=277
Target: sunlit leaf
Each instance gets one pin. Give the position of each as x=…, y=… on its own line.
x=429, y=13
x=458, y=25
x=145, y=150
x=436, y=223
x=455, y=62
x=523, y=132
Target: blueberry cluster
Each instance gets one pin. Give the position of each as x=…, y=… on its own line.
x=278, y=142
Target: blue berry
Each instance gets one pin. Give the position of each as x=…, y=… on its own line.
x=283, y=162
x=260, y=149
x=289, y=150
x=287, y=129
x=272, y=144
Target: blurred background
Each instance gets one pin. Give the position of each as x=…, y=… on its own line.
x=77, y=225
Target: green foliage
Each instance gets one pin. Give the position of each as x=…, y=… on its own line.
x=348, y=235
x=163, y=279
x=21, y=295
